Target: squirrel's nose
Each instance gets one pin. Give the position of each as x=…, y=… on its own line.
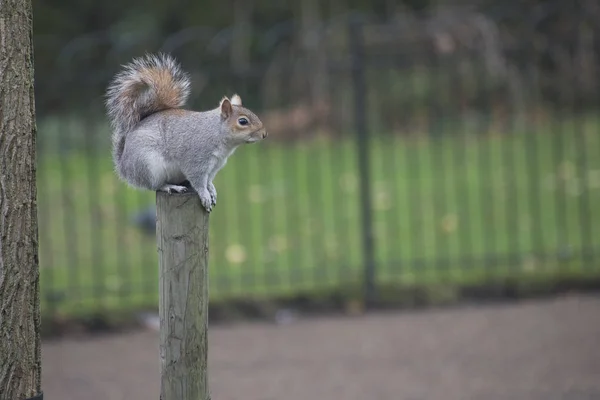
x=265, y=134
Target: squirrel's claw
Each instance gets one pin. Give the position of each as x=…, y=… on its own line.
x=213, y=193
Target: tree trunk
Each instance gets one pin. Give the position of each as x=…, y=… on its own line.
x=20, y=357
x=242, y=35
x=315, y=47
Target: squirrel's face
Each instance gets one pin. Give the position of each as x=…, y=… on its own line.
x=243, y=124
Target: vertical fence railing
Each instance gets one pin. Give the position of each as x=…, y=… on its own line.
x=362, y=148
x=452, y=157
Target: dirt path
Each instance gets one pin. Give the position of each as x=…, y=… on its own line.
x=546, y=350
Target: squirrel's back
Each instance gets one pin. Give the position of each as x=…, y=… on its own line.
x=143, y=87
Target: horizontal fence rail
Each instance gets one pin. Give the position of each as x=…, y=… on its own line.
x=398, y=161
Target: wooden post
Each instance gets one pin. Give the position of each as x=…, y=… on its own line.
x=182, y=238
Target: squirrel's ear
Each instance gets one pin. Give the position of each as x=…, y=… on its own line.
x=236, y=100
x=226, y=108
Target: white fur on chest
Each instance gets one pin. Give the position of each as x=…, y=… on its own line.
x=220, y=159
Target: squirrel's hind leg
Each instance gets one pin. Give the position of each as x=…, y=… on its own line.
x=172, y=188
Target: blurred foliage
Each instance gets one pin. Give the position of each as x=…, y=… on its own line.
x=277, y=52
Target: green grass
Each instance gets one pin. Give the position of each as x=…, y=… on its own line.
x=462, y=208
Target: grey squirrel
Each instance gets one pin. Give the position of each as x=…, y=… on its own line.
x=157, y=144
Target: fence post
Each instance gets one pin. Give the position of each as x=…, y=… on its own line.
x=362, y=142
x=182, y=239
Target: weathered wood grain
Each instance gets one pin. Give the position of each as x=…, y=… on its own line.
x=182, y=237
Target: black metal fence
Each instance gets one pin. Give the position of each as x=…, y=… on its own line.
x=425, y=154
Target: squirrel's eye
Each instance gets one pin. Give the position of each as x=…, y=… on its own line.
x=243, y=121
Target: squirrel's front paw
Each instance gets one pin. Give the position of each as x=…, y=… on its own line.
x=213, y=193
x=206, y=200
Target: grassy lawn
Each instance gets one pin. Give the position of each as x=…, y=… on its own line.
x=455, y=209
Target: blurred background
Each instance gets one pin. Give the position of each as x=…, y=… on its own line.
x=421, y=152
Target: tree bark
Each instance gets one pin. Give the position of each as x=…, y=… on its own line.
x=20, y=356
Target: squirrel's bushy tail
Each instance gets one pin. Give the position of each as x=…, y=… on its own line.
x=146, y=85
